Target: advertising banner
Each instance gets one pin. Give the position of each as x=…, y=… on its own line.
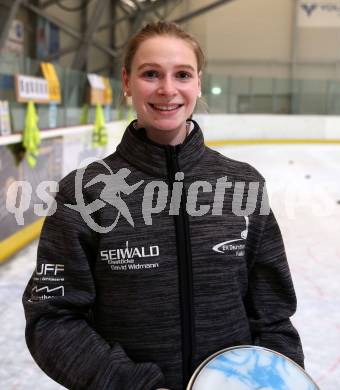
x=15, y=39
x=5, y=119
x=319, y=13
x=97, y=89
x=31, y=88
x=47, y=39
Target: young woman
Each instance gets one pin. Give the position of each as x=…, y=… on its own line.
x=190, y=265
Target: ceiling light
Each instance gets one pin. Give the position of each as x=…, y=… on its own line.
x=216, y=90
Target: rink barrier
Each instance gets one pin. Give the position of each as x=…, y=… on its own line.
x=9, y=246
x=271, y=141
x=292, y=128
x=75, y=140
x=64, y=132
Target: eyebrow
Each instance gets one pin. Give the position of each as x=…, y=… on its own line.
x=153, y=64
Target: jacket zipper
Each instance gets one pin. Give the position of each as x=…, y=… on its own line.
x=184, y=258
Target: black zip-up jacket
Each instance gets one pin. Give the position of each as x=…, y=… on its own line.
x=139, y=307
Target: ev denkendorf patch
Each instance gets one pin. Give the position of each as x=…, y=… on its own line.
x=236, y=246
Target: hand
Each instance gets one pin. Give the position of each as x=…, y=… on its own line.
x=162, y=388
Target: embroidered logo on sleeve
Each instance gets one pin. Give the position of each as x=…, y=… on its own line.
x=48, y=282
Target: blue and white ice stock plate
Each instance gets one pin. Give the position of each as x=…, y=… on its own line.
x=250, y=368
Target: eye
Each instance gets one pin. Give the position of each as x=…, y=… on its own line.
x=184, y=75
x=150, y=74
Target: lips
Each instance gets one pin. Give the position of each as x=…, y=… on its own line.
x=166, y=107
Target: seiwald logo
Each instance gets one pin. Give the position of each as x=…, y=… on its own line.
x=228, y=246
x=115, y=185
x=309, y=8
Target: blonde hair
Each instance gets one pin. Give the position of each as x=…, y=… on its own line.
x=161, y=28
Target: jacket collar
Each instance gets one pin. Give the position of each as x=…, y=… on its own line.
x=151, y=157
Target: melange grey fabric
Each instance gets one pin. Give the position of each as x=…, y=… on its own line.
x=140, y=307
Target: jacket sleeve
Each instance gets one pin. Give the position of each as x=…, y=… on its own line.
x=271, y=299
x=57, y=303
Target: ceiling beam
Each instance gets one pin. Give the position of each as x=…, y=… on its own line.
x=47, y=3
x=81, y=55
x=8, y=11
x=68, y=30
x=61, y=53
x=151, y=7
x=201, y=11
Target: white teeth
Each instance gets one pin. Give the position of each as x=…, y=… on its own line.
x=166, y=108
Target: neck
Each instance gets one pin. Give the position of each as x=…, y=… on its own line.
x=163, y=137
x=152, y=158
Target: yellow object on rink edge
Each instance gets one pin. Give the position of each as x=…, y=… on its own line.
x=20, y=239
x=51, y=77
x=107, y=100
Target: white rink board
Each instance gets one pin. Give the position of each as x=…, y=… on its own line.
x=233, y=127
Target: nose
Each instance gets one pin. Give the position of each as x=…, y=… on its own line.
x=167, y=87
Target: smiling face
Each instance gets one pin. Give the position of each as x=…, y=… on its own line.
x=164, y=84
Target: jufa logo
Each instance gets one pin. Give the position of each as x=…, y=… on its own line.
x=233, y=246
x=309, y=8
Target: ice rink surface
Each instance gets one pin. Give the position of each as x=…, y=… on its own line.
x=304, y=188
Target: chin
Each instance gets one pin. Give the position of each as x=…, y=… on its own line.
x=168, y=125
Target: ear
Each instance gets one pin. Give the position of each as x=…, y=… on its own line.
x=125, y=81
x=200, y=80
